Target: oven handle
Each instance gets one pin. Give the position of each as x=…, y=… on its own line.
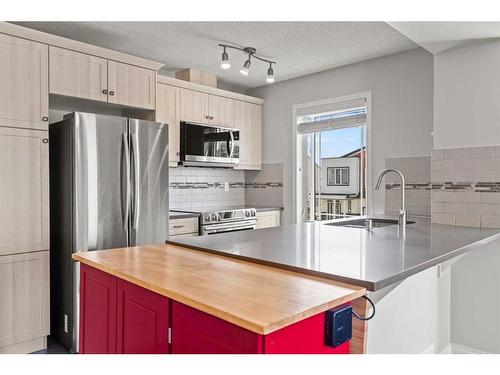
x=228, y=229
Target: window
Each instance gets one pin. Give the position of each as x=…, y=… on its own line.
x=338, y=176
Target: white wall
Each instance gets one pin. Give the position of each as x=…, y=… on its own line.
x=466, y=93
x=467, y=114
x=402, y=110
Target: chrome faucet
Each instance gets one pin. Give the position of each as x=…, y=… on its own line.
x=402, y=212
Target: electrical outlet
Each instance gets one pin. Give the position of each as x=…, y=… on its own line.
x=66, y=329
x=226, y=186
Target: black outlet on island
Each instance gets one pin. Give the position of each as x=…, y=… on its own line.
x=338, y=326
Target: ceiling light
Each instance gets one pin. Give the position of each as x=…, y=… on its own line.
x=225, y=64
x=246, y=67
x=270, y=74
x=245, y=70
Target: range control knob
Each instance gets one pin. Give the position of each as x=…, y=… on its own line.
x=247, y=213
x=207, y=218
x=253, y=213
x=213, y=217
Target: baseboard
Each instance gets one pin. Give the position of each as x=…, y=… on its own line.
x=30, y=346
x=461, y=349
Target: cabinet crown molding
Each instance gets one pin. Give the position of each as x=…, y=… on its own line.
x=58, y=41
x=207, y=89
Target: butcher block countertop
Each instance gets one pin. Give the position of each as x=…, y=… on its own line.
x=259, y=298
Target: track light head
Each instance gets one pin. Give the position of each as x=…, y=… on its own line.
x=270, y=74
x=225, y=64
x=246, y=66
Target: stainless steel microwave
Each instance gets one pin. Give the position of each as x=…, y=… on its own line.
x=209, y=146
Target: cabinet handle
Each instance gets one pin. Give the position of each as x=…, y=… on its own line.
x=104, y=91
x=45, y=118
x=211, y=117
x=112, y=93
x=177, y=153
x=45, y=140
x=207, y=117
x=179, y=226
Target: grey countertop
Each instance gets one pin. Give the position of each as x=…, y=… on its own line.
x=372, y=259
x=181, y=215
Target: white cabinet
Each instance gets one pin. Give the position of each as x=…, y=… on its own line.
x=248, y=119
x=268, y=219
x=167, y=111
x=24, y=190
x=24, y=75
x=24, y=300
x=85, y=76
x=203, y=108
x=78, y=74
x=131, y=85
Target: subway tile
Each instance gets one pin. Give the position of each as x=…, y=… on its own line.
x=490, y=221
x=442, y=196
x=497, y=152
x=437, y=155
x=490, y=164
x=456, y=176
x=443, y=165
x=496, y=209
x=467, y=197
x=455, y=208
x=468, y=220
x=437, y=207
x=468, y=164
x=481, y=209
x=490, y=198
x=456, y=153
x=438, y=218
x=481, y=152
x=481, y=176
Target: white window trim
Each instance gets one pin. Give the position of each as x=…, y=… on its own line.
x=297, y=188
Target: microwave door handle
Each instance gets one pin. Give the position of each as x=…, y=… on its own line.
x=232, y=143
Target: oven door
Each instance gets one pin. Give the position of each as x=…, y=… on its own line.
x=228, y=227
x=207, y=145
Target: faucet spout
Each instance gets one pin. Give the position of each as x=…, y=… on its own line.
x=402, y=211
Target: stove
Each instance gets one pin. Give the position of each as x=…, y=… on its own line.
x=231, y=219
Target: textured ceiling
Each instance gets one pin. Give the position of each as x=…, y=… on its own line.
x=437, y=37
x=300, y=48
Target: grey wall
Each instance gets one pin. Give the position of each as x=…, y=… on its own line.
x=402, y=110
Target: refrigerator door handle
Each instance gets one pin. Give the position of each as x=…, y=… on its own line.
x=137, y=195
x=125, y=178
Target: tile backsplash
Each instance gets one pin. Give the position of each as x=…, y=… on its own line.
x=466, y=187
x=417, y=172
x=194, y=188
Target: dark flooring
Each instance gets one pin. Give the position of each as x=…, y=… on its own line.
x=53, y=347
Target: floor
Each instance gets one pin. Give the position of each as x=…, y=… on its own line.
x=53, y=347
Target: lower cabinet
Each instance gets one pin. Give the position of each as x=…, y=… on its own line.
x=268, y=219
x=119, y=317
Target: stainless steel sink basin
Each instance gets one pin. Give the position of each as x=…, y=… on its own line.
x=366, y=223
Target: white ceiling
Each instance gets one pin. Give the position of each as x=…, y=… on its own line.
x=300, y=48
x=437, y=37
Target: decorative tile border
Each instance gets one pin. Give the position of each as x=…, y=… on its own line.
x=409, y=186
x=232, y=185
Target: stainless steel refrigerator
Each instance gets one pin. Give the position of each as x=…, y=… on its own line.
x=108, y=189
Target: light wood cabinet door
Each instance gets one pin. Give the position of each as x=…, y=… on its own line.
x=24, y=298
x=131, y=85
x=248, y=119
x=24, y=76
x=268, y=219
x=220, y=111
x=24, y=190
x=167, y=111
x=78, y=74
x=194, y=106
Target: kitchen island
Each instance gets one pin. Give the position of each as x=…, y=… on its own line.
x=169, y=299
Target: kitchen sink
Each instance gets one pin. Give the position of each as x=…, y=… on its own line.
x=367, y=223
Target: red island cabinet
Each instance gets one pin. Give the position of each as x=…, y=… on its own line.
x=119, y=317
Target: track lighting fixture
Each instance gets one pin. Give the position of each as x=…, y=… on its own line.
x=225, y=64
x=245, y=70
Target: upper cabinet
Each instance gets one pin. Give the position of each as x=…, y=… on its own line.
x=24, y=99
x=202, y=108
x=89, y=77
x=78, y=74
x=131, y=85
x=248, y=119
x=167, y=111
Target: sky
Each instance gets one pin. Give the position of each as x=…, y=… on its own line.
x=338, y=142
